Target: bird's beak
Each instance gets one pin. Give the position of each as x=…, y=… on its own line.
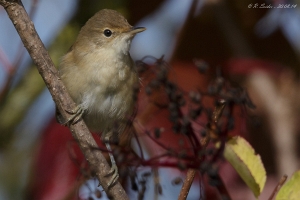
x=135, y=30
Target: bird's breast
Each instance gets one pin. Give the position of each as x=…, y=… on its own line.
x=110, y=97
x=103, y=84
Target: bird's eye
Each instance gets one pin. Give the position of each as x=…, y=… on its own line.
x=107, y=32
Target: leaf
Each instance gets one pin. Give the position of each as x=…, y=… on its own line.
x=290, y=190
x=240, y=154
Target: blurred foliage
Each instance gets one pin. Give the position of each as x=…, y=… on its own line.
x=31, y=85
x=88, y=8
x=204, y=36
x=24, y=94
x=16, y=162
x=13, y=174
x=17, y=103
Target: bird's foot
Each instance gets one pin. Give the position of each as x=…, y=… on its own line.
x=114, y=168
x=76, y=114
x=113, y=172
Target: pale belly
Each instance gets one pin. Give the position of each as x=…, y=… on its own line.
x=105, y=111
x=104, y=92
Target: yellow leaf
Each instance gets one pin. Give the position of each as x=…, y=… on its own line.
x=290, y=190
x=240, y=154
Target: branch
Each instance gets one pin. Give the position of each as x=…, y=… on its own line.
x=46, y=68
x=190, y=175
x=278, y=186
x=211, y=128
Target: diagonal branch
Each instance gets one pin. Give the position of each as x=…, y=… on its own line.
x=211, y=128
x=278, y=186
x=46, y=68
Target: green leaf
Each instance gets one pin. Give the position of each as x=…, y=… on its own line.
x=290, y=190
x=240, y=154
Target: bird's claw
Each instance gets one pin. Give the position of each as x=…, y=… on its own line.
x=76, y=115
x=115, y=175
x=114, y=168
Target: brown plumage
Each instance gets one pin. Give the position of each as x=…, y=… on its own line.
x=100, y=75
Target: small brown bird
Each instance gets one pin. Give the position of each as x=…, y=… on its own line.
x=100, y=76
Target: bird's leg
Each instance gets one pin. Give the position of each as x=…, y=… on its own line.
x=76, y=115
x=114, y=168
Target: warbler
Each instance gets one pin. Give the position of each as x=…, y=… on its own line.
x=101, y=76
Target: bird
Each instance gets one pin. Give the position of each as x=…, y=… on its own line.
x=101, y=77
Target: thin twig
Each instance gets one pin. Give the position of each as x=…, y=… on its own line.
x=139, y=145
x=221, y=187
x=211, y=128
x=46, y=68
x=157, y=185
x=13, y=68
x=190, y=175
x=279, y=185
x=7, y=65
